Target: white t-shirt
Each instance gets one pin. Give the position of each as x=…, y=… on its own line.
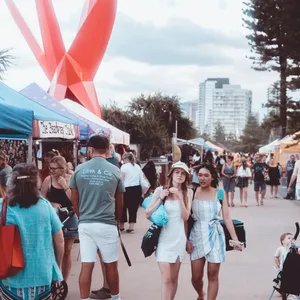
x=281, y=253
x=297, y=172
x=243, y=173
x=132, y=174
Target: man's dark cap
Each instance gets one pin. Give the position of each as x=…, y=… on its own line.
x=98, y=142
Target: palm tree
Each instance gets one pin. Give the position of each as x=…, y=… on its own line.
x=5, y=61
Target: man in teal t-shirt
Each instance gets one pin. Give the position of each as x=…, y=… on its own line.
x=97, y=195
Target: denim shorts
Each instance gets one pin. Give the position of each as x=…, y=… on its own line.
x=259, y=185
x=70, y=228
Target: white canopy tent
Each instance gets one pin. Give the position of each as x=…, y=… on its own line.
x=270, y=147
x=117, y=136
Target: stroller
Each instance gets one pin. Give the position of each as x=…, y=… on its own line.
x=288, y=281
x=59, y=290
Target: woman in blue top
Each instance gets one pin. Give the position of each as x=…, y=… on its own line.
x=207, y=240
x=39, y=226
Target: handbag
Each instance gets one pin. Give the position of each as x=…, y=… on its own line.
x=145, y=184
x=11, y=253
x=266, y=177
x=239, y=230
x=160, y=215
x=237, y=224
x=150, y=240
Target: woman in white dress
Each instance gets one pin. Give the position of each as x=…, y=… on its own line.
x=170, y=251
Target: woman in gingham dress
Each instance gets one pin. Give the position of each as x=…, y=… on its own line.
x=207, y=239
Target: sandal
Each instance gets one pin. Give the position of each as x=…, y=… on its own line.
x=130, y=230
x=261, y=203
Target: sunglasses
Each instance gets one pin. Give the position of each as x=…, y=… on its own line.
x=53, y=169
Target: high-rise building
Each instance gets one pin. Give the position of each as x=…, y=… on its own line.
x=219, y=101
x=190, y=110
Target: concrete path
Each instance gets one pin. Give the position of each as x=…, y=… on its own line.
x=246, y=275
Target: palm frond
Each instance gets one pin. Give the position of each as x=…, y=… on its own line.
x=5, y=61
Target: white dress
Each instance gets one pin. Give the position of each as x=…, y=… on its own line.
x=172, y=238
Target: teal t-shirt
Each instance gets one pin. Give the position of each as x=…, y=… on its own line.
x=97, y=182
x=37, y=224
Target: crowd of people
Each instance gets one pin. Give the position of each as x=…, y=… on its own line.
x=93, y=202
x=90, y=202
x=240, y=170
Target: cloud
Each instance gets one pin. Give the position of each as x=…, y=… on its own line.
x=179, y=42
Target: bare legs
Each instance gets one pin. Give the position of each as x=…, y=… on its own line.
x=112, y=275
x=169, y=274
x=85, y=278
x=105, y=284
x=212, y=275
x=241, y=196
x=227, y=198
x=232, y=198
x=262, y=195
x=197, y=276
x=67, y=259
x=274, y=191
x=244, y=197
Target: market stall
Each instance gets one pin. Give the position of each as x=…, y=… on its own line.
x=86, y=127
x=46, y=124
x=117, y=136
x=270, y=148
x=14, y=132
x=287, y=148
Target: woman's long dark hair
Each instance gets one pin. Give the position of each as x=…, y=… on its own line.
x=214, y=174
x=23, y=186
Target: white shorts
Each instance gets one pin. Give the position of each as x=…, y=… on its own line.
x=297, y=192
x=94, y=236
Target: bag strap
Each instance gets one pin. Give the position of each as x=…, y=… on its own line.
x=3, y=212
x=194, y=193
x=220, y=196
x=124, y=249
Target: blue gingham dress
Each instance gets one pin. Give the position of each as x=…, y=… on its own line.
x=207, y=235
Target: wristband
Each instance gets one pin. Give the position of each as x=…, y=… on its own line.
x=66, y=189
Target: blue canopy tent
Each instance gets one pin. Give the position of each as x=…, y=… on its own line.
x=12, y=97
x=37, y=94
x=12, y=126
x=46, y=123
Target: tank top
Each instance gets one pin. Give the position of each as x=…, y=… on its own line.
x=58, y=196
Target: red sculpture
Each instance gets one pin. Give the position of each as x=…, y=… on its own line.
x=71, y=72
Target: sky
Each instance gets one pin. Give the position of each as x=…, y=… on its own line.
x=167, y=46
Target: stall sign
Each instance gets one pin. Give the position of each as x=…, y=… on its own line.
x=54, y=129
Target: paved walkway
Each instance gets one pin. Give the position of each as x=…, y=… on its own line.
x=246, y=275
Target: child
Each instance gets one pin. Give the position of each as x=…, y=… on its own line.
x=282, y=251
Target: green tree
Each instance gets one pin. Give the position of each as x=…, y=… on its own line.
x=275, y=33
x=231, y=141
x=272, y=122
x=253, y=136
x=219, y=133
x=5, y=61
x=166, y=109
x=205, y=134
x=150, y=121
